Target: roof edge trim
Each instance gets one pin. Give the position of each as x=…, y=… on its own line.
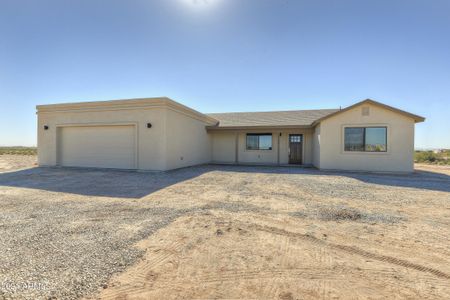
x=416, y=118
x=230, y=128
x=124, y=104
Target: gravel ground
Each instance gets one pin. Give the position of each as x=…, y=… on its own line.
x=65, y=232
x=343, y=213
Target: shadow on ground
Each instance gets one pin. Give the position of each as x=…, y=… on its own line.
x=131, y=184
x=419, y=179
x=97, y=182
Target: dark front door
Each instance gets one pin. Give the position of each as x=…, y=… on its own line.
x=295, y=148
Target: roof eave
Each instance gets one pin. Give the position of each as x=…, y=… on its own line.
x=416, y=118
x=231, y=128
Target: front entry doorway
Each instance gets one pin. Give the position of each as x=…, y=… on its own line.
x=295, y=149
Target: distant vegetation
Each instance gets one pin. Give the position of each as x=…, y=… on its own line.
x=18, y=150
x=428, y=157
x=433, y=157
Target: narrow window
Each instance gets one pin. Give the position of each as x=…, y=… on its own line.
x=365, y=139
x=259, y=141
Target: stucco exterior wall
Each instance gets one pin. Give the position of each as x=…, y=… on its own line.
x=400, y=141
x=151, y=149
x=224, y=147
x=316, y=146
x=180, y=137
x=188, y=142
x=257, y=156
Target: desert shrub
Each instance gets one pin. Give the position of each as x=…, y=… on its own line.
x=425, y=156
x=441, y=158
x=18, y=151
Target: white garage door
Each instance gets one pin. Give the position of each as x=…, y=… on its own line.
x=97, y=146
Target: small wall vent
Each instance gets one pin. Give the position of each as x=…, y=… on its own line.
x=366, y=111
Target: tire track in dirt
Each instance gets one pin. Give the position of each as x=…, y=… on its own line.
x=271, y=289
x=323, y=256
x=285, y=245
x=130, y=289
x=140, y=281
x=322, y=278
x=163, y=254
x=353, y=250
x=270, y=277
x=241, y=274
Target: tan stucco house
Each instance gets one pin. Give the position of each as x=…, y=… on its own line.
x=161, y=134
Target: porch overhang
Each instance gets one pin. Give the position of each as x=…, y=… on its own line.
x=266, y=128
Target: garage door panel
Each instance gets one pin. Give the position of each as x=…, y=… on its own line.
x=97, y=146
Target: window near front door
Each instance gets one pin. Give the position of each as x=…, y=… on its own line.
x=295, y=138
x=365, y=139
x=259, y=141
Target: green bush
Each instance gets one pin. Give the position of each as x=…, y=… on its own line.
x=425, y=156
x=18, y=150
x=432, y=158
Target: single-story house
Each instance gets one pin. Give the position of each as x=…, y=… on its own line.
x=161, y=134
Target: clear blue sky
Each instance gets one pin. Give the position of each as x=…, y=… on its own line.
x=226, y=55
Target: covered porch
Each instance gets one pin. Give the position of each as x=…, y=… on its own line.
x=263, y=146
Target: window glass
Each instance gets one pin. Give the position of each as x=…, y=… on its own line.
x=265, y=142
x=368, y=139
x=252, y=142
x=295, y=138
x=376, y=139
x=257, y=141
x=354, y=139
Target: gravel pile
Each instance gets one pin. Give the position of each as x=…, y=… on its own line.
x=234, y=207
x=344, y=213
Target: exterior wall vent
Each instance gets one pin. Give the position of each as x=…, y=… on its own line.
x=366, y=111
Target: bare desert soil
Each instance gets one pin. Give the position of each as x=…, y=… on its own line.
x=226, y=232
x=433, y=168
x=16, y=162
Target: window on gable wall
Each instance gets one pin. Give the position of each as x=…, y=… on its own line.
x=365, y=139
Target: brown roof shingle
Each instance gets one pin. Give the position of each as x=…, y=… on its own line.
x=270, y=118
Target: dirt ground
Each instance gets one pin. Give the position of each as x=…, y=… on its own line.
x=260, y=232
x=433, y=168
x=16, y=162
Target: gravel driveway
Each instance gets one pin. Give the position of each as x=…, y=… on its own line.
x=65, y=232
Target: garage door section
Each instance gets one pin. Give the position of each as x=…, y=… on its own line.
x=97, y=146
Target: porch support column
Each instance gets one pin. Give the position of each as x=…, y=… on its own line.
x=236, y=154
x=278, y=148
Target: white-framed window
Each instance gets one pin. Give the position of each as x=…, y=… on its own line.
x=259, y=141
x=365, y=139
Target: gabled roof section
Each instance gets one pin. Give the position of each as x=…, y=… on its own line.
x=285, y=119
x=417, y=118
